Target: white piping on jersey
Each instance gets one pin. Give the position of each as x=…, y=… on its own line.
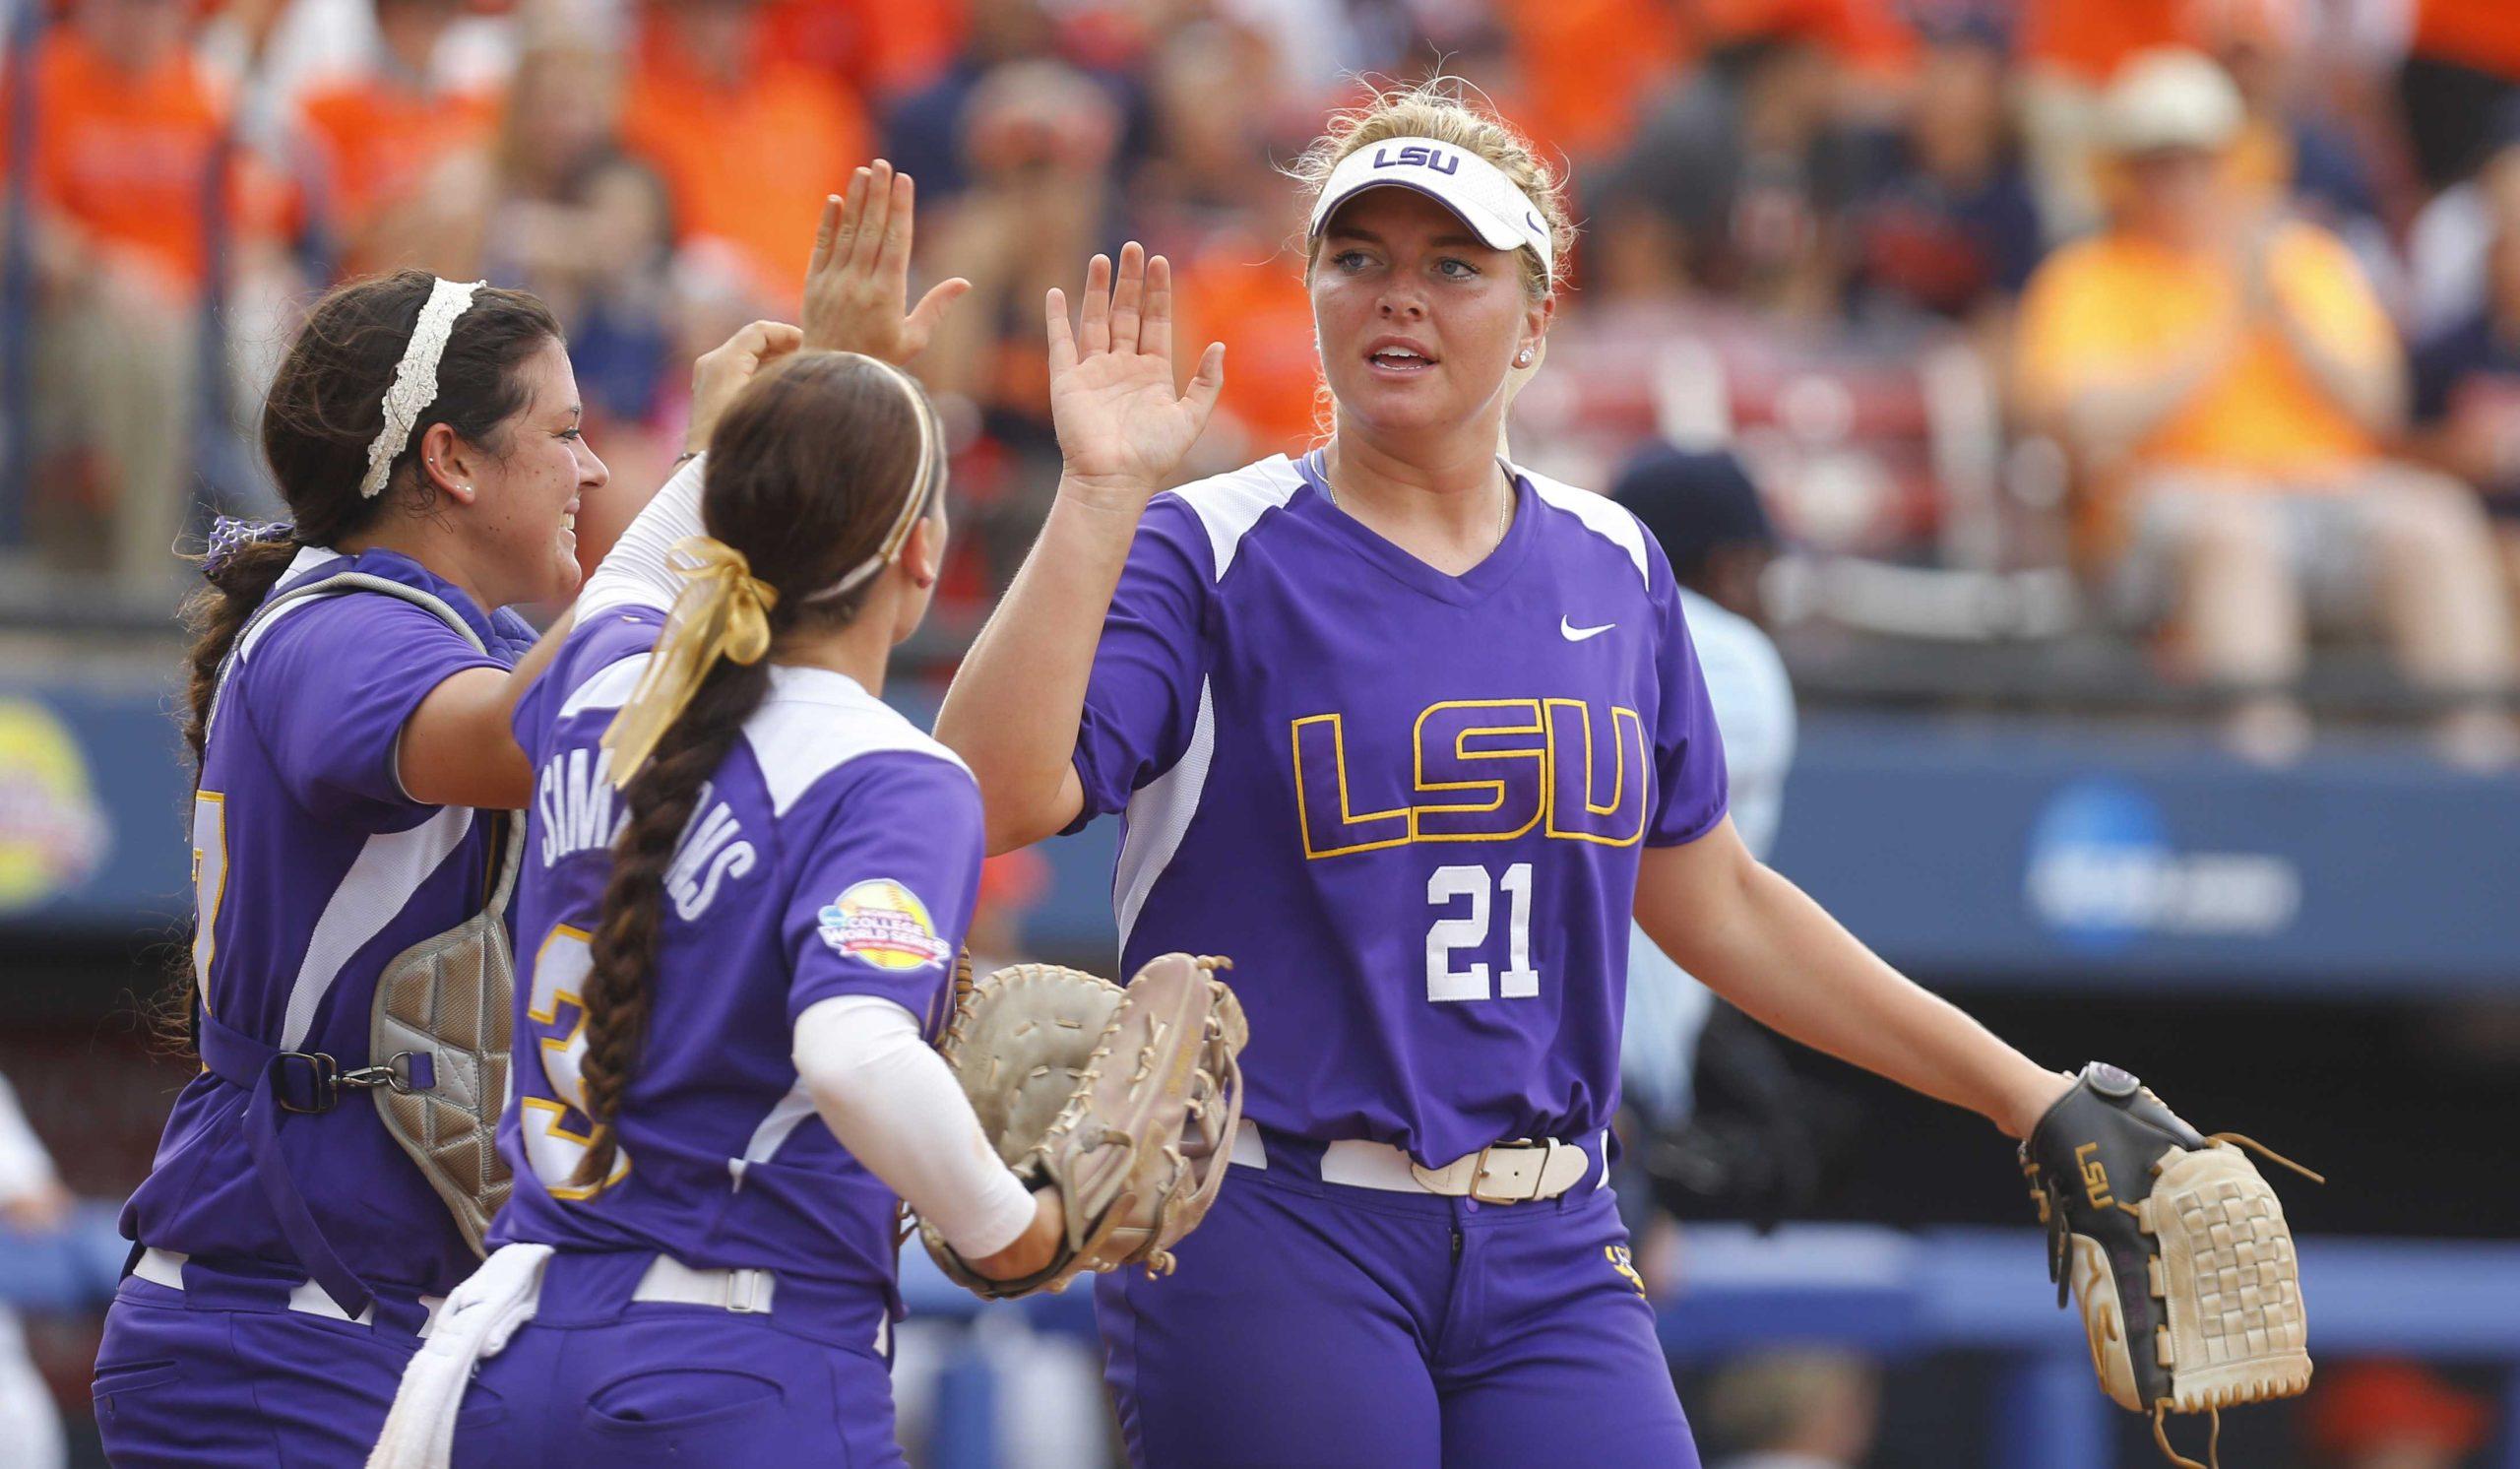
x=1159, y=817
x=1159, y=814
x=389, y=868
x=608, y=688
x=1229, y=506
x=1601, y=515
x=772, y=1134
x=814, y=720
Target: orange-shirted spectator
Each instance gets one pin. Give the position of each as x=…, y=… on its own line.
x=748, y=142
x=1243, y=289
x=2224, y=379
x=2069, y=49
x=883, y=49
x=127, y=130
x=1587, y=67
x=379, y=136
x=2462, y=58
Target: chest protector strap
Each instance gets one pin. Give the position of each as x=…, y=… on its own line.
x=441, y=1016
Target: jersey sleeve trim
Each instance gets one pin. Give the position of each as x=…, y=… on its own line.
x=1601, y=515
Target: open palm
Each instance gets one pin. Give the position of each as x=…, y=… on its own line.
x=858, y=278
x=1122, y=423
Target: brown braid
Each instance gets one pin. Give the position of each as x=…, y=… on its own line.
x=662, y=800
x=325, y=405
x=806, y=473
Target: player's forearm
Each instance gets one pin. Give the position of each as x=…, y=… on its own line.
x=895, y=1105
x=1766, y=946
x=1015, y=705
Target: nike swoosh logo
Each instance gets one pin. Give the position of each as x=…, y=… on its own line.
x=1575, y=634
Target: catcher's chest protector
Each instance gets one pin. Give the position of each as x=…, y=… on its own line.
x=449, y=999
x=442, y=1012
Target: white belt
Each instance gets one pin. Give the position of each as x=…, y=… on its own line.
x=1498, y=1174
x=166, y=1267
x=744, y=1291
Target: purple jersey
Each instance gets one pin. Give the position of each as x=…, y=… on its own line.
x=313, y=869
x=837, y=850
x=1408, y=805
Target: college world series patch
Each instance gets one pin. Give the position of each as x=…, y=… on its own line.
x=885, y=924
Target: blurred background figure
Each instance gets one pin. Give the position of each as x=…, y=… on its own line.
x=32, y=1202
x=2225, y=379
x=382, y=136
x=140, y=211
x=1793, y=1410
x=2393, y=1415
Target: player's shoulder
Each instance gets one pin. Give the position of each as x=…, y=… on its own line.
x=1226, y=508
x=340, y=611
x=1597, y=518
x=818, y=732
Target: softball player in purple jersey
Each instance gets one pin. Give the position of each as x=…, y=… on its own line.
x=350, y=693
x=746, y=880
x=1409, y=732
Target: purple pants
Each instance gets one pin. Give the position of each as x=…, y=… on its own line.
x=1314, y=1325
x=599, y=1381
x=221, y=1375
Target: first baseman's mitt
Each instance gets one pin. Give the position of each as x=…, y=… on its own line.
x=2177, y=1249
x=1125, y=1098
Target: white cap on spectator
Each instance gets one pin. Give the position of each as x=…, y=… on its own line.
x=1476, y=190
x=2169, y=97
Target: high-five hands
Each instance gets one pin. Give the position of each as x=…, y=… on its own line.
x=1122, y=428
x=860, y=275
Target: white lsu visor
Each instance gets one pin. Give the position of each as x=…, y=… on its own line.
x=1473, y=188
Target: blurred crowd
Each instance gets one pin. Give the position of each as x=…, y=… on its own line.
x=2190, y=323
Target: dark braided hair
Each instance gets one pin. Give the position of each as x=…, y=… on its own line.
x=325, y=407
x=806, y=476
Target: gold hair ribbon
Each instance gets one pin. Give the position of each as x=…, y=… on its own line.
x=724, y=611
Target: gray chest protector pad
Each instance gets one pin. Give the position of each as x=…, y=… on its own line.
x=447, y=1001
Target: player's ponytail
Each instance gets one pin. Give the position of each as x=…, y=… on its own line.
x=815, y=476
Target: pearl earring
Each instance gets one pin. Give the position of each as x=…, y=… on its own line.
x=1523, y=358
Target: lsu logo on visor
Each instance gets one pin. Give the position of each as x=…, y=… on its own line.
x=883, y=923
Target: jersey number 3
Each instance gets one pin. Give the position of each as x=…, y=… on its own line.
x=1446, y=889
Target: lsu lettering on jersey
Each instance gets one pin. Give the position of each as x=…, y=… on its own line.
x=1408, y=805
x=836, y=852
x=313, y=869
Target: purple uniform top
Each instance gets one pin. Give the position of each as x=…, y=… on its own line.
x=836, y=852
x=312, y=870
x=1408, y=805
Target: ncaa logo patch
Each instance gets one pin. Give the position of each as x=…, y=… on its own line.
x=883, y=923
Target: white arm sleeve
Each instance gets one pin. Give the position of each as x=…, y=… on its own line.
x=635, y=571
x=895, y=1105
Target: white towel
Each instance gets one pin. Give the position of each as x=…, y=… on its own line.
x=475, y=1322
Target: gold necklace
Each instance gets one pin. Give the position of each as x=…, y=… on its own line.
x=1504, y=504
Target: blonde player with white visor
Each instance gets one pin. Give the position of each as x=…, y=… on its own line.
x=1409, y=731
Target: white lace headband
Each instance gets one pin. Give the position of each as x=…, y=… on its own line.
x=414, y=379
x=930, y=450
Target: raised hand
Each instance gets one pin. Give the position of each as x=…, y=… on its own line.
x=859, y=274
x=1122, y=428
x=722, y=372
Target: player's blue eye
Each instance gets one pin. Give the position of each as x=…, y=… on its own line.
x=572, y=434
x=1349, y=260
x=1464, y=271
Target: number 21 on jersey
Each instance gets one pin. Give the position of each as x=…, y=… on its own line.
x=1466, y=893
